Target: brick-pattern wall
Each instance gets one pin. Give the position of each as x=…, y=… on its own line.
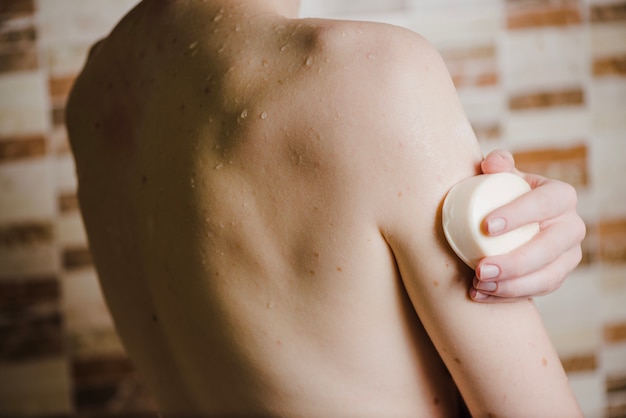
x=545, y=79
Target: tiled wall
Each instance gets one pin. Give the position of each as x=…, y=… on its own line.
x=545, y=79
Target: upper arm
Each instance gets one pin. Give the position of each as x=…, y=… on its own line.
x=499, y=354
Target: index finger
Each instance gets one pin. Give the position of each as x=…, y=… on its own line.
x=551, y=199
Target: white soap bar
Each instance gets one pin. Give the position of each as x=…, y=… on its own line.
x=464, y=211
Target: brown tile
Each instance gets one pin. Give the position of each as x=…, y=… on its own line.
x=19, y=294
x=74, y=258
x=14, y=36
x=18, y=61
x=103, y=369
x=26, y=234
x=60, y=87
x=68, y=202
x=58, y=114
x=18, y=49
x=30, y=335
x=580, y=363
x=615, y=333
x=570, y=97
x=22, y=147
x=615, y=411
x=536, y=13
x=612, y=241
x=565, y=164
x=16, y=7
x=102, y=384
x=608, y=12
x=615, y=383
x=610, y=66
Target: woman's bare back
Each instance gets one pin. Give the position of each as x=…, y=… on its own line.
x=231, y=192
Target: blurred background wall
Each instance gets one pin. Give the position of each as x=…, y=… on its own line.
x=545, y=79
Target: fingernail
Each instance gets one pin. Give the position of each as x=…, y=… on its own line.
x=478, y=295
x=487, y=286
x=489, y=271
x=496, y=225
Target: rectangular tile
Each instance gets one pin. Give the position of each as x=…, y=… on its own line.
x=23, y=103
x=26, y=234
x=95, y=342
x=30, y=334
x=608, y=39
x=610, y=66
x=61, y=85
x=615, y=382
x=18, y=49
x=16, y=8
x=38, y=388
x=68, y=202
x=566, y=164
x=104, y=382
x=84, y=308
x=522, y=14
x=612, y=240
x=546, y=99
x=615, y=333
x=580, y=363
x=28, y=190
x=608, y=12
x=70, y=231
x=76, y=258
x=20, y=294
x=536, y=61
x=16, y=148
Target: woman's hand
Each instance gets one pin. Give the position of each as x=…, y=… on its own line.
x=540, y=266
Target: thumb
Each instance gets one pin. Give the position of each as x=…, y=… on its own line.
x=498, y=161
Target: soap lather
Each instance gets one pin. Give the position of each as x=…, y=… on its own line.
x=464, y=211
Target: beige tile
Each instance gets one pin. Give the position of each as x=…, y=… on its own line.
x=607, y=98
x=538, y=128
x=27, y=190
x=461, y=24
x=83, y=303
x=37, y=388
x=70, y=231
x=589, y=391
x=612, y=287
x=23, y=104
x=572, y=315
x=607, y=39
x=538, y=60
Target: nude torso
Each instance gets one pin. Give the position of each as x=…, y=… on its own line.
x=230, y=192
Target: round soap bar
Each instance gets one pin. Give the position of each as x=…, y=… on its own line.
x=464, y=211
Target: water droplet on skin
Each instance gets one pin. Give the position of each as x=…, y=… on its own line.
x=244, y=114
x=264, y=115
x=309, y=61
x=219, y=166
x=237, y=28
x=282, y=48
x=193, y=45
